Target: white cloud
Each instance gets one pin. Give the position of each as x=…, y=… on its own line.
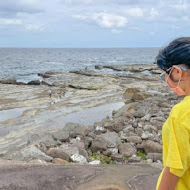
x=104, y=20
x=153, y=13
x=136, y=12
x=107, y=20
x=34, y=27
x=10, y=21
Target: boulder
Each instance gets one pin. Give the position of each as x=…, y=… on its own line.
x=79, y=159
x=70, y=150
x=134, y=139
x=45, y=138
x=98, y=144
x=154, y=156
x=59, y=161
x=111, y=139
x=127, y=149
x=30, y=153
x=75, y=129
x=117, y=157
x=130, y=92
x=150, y=147
x=58, y=153
x=141, y=96
x=61, y=135
x=135, y=158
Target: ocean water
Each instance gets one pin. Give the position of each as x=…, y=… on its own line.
x=24, y=64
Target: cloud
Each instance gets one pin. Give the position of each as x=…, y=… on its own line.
x=107, y=20
x=153, y=13
x=10, y=21
x=34, y=27
x=135, y=12
x=104, y=20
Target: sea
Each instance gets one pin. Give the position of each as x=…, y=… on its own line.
x=24, y=64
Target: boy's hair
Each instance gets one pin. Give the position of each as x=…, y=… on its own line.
x=177, y=52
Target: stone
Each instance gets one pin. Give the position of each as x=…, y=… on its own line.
x=58, y=153
x=128, y=129
x=111, y=139
x=30, y=153
x=99, y=130
x=149, y=161
x=117, y=157
x=70, y=150
x=134, y=139
x=87, y=142
x=144, y=136
x=34, y=82
x=127, y=149
x=108, y=152
x=135, y=158
x=130, y=92
x=75, y=129
x=113, y=150
x=61, y=135
x=79, y=159
x=150, y=147
x=150, y=128
x=154, y=156
x=98, y=144
x=95, y=162
x=45, y=138
x=115, y=125
x=59, y=161
x=141, y=96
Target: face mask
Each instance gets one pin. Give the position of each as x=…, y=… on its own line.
x=177, y=89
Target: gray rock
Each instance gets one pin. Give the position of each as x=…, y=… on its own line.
x=98, y=144
x=111, y=139
x=75, y=129
x=127, y=149
x=134, y=139
x=95, y=162
x=150, y=147
x=113, y=150
x=70, y=150
x=150, y=128
x=99, y=130
x=144, y=136
x=45, y=138
x=87, y=142
x=117, y=157
x=154, y=156
x=135, y=158
x=79, y=159
x=61, y=135
x=128, y=129
x=58, y=153
x=30, y=153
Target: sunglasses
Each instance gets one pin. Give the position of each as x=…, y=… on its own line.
x=168, y=71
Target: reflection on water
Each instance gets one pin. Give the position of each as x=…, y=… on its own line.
x=12, y=113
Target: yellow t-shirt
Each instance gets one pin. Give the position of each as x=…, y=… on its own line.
x=176, y=144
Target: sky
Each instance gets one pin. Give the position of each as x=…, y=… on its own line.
x=92, y=23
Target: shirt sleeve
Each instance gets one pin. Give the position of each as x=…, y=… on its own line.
x=178, y=158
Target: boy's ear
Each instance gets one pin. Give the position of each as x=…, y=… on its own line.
x=178, y=71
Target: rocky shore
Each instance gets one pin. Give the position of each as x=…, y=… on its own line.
x=92, y=117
